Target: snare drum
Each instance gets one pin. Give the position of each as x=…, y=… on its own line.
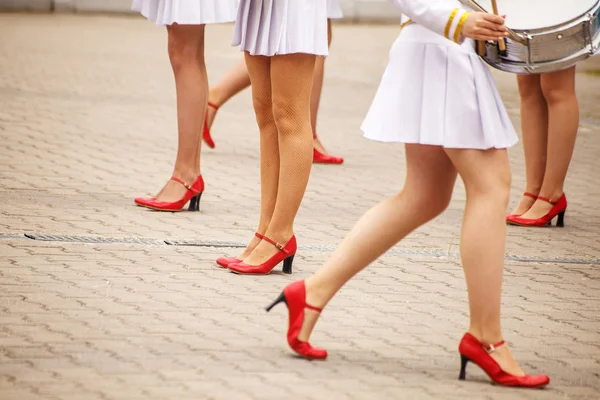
x=546, y=35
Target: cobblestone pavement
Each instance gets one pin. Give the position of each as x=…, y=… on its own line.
x=103, y=300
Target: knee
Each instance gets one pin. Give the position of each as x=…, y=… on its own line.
x=529, y=87
x=184, y=50
x=286, y=117
x=430, y=202
x=494, y=187
x=263, y=108
x=556, y=91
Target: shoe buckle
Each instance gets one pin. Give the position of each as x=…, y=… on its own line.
x=490, y=348
x=279, y=246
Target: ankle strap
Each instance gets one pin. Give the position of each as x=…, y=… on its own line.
x=547, y=200
x=188, y=187
x=533, y=196
x=317, y=309
x=280, y=246
x=258, y=235
x=491, y=347
x=213, y=106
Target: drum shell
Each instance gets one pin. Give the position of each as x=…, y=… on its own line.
x=549, y=49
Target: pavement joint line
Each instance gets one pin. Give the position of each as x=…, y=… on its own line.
x=318, y=248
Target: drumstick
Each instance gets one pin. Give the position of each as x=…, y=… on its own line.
x=501, y=42
x=511, y=34
x=481, y=48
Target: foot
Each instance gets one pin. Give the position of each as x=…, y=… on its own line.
x=524, y=205
x=504, y=358
x=539, y=209
x=174, y=191
x=211, y=113
x=310, y=316
x=319, y=146
x=265, y=250
x=251, y=246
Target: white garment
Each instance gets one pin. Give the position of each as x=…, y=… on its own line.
x=438, y=92
x=187, y=12
x=334, y=11
x=275, y=27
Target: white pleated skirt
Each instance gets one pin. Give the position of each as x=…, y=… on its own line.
x=277, y=27
x=437, y=92
x=187, y=12
x=334, y=11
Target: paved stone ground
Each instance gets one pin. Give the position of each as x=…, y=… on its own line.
x=113, y=312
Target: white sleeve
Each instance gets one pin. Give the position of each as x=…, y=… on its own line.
x=439, y=16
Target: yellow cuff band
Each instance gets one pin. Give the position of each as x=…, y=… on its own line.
x=459, y=27
x=449, y=24
x=406, y=23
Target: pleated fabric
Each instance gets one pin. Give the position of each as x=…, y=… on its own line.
x=277, y=27
x=334, y=11
x=437, y=92
x=187, y=12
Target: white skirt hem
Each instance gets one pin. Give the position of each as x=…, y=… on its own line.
x=334, y=11
x=279, y=27
x=438, y=93
x=197, y=12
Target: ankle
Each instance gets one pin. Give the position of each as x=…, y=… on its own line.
x=534, y=191
x=486, y=335
x=317, y=294
x=553, y=194
x=215, y=96
x=282, y=236
x=187, y=175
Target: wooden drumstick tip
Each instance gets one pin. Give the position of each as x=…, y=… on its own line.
x=501, y=42
x=481, y=48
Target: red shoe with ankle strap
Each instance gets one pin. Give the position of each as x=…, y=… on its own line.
x=193, y=194
x=320, y=158
x=473, y=350
x=558, y=209
x=527, y=194
x=226, y=261
x=286, y=254
x=294, y=296
x=206, y=132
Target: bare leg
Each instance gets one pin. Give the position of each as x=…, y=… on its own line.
x=534, y=126
x=426, y=194
x=430, y=179
x=232, y=83
x=259, y=69
x=486, y=175
x=291, y=82
x=563, y=116
x=315, y=98
x=186, y=52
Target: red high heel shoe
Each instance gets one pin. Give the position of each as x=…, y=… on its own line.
x=533, y=196
x=294, y=296
x=226, y=261
x=193, y=194
x=320, y=158
x=206, y=132
x=558, y=209
x=286, y=254
x=473, y=350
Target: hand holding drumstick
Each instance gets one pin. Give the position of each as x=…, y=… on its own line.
x=484, y=26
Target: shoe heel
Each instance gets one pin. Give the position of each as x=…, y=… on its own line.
x=195, y=203
x=287, y=265
x=561, y=220
x=278, y=300
x=463, y=368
